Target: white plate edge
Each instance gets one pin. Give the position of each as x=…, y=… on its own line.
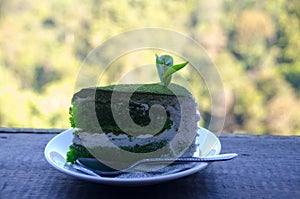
x=124, y=181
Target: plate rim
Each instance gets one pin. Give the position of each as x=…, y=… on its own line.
x=124, y=181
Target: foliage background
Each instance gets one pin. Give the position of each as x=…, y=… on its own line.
x=255, y=44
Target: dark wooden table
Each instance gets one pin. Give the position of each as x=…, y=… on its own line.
x=267, y=167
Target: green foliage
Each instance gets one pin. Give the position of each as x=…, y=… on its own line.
x=165, y=68
x=255, y=44
x=291, y=72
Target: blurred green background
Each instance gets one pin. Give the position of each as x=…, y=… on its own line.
x=255, y=45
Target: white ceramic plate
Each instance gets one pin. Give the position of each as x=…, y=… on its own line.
x=56, y=150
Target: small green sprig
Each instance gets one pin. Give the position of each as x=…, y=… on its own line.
x=165, y=68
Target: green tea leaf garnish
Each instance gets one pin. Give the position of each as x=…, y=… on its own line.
x=165, y=68
x=173, y=69
x=163, y=63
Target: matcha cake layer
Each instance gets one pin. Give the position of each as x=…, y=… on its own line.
x=135, y=118
x=114, y=102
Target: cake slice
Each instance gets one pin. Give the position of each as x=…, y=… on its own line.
x=94, y=112
x=128, y=122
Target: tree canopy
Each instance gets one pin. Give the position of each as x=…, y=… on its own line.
x=254, y=44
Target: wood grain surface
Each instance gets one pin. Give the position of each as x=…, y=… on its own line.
x=267, y=167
